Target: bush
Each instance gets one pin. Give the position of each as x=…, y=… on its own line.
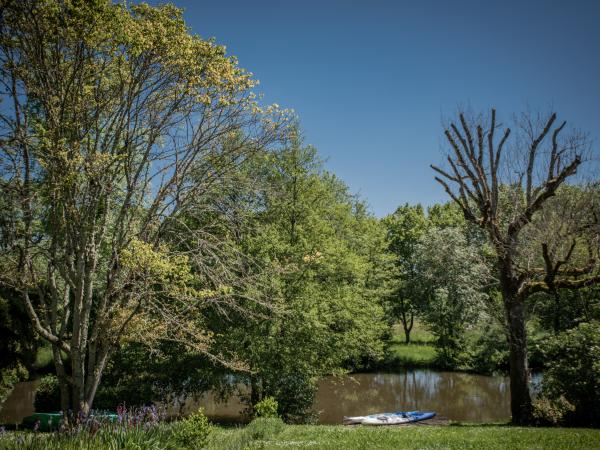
x=489, y=349
x=573, y=373
x=193, y=431
x=264, y=428
x=47, y=395
x=267, y=407
x=105, y=438
x=295, y=395
x=549, y=412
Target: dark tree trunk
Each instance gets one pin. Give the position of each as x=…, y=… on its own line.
x=407, y=324
x=520, y=399
x=63, y=384
x=255, y=391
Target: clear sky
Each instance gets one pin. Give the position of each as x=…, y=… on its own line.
x=371, y=80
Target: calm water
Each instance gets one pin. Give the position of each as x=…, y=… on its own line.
x=457, y=396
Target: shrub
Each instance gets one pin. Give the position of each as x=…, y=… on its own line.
x=573, y=372
x=551, y=412
x=47, y=395
x=267, y=407
x=193, y=431
x=295, y=395
x=489, y=350
x=264, y=428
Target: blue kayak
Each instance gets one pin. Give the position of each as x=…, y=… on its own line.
x=391, y=418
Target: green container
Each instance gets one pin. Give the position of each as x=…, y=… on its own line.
x=51, y=421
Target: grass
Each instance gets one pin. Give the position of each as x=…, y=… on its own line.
x=273, y=434
x=43, y=357
x=420, y=437
x=419, y=353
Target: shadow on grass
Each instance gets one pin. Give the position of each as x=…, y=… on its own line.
x=479, y=425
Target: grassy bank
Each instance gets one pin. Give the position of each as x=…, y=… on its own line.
x=266, y=436
x=420, y=352
x=273, y=434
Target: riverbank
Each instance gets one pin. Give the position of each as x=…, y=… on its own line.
x=273, y=434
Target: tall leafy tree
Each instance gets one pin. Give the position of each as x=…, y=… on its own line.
x=405, y=228
x=324, y=252
x=452, y=274
x=112, y=123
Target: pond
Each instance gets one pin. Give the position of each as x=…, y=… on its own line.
x=455, y=395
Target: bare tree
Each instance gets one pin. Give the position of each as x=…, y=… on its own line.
x=115, y=123
x=506, y=194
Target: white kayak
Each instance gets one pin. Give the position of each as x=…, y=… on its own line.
x=393, y=418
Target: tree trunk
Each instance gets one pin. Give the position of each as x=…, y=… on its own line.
x=63, y=383
x=520, y=399
x=255, y=394
x=408, y=325
x=78, y=385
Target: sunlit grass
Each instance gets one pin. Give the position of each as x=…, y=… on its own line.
x=412, y=354
x=419, y=437
x=418, y=335
x=420, y=352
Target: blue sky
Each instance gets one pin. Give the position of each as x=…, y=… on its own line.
x=372, y=80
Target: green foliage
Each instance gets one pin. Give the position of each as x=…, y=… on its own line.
x=160, y=437
x=44, y=359
x=452, y=274
x=488, y=349
x=551, y=412
x=138, y=376
x=47, y=394
x=267, y=407
x=192, y=432
x=323, y=258
x=108, y=190
x=17, y=342
x=9, y=376
x=444, y=215
x=573, y=372
x=566, y=309
x=264, y=428
x=405, y=227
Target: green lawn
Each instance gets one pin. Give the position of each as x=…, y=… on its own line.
x=419, y=353
x=273, y=434
x=417, y=437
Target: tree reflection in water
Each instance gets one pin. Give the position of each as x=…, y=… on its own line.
x=457, y=396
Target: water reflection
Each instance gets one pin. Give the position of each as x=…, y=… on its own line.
x=19, y=403
x=457, y=396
